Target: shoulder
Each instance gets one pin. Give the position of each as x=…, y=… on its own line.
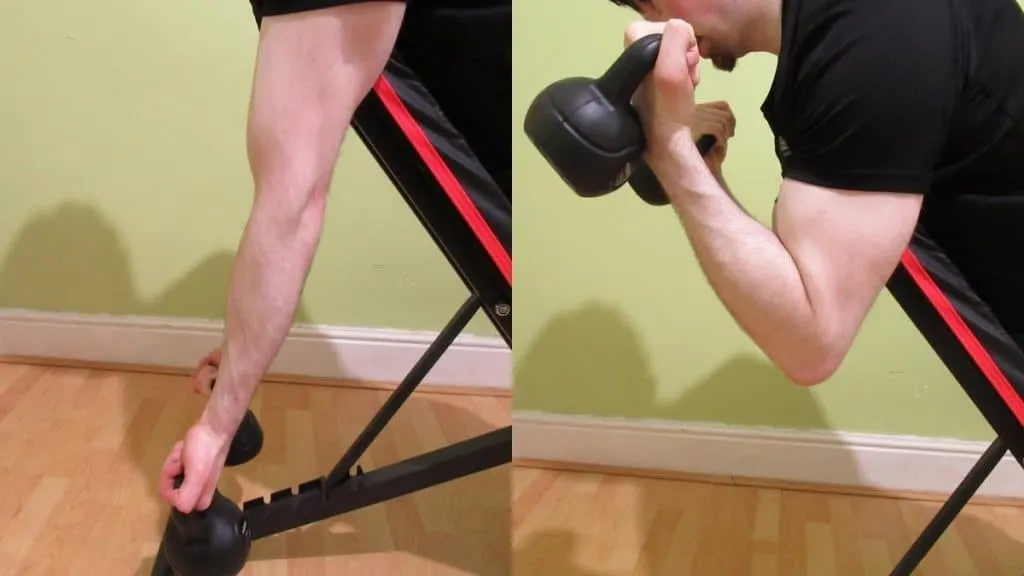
x=866, y=36
x=864, y=91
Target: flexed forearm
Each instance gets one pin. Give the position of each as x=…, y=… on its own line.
x=273, y=262
x=752, y=273
x=311, y=73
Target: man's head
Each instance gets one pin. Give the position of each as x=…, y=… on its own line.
x=723, y=27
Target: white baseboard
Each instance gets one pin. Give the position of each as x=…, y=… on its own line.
x=366, y=354
x=890, y=463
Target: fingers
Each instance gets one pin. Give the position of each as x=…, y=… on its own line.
x=640, y=28
x=172, y=467
x=719, y=105
x=717, y=117
x=678, y=59
x=202, y=381
x=711, y=122
x=678, y=64
x=199, y=459
x=211, y=359
x=206, y=372
x=192, y=491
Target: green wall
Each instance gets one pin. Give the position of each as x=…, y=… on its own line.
x=610, y=297
x=125, y=186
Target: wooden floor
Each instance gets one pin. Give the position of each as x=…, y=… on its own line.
x=576, y=524
x=80, y=449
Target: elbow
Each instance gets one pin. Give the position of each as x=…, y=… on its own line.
x=807, y=370
x=810, y=374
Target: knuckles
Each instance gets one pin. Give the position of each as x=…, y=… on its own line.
x=640, y=28
x=679, y=27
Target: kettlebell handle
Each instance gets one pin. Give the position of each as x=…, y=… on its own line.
x=192, y=526
x=625, y=75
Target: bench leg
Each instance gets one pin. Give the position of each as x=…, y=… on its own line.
x=951, y=508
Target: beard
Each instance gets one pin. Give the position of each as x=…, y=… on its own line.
x=724, y=63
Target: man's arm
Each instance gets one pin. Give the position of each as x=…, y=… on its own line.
x=867, y=110
x=802, y=291
x=312, y=70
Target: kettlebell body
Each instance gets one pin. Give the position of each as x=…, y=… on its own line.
x=589, y=141
x=247, y=442
x=589, y=132
x=213, y=542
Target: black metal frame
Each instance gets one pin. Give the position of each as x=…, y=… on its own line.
x=347, y=487
x=934, y=266
x=951, y=508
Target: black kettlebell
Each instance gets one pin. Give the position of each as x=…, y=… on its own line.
x=212, y=542
x=589, y=132
x=247, y=442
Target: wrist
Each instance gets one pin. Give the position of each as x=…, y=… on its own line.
x=223, y=413
x=218, y=427
x=685, y=172
x=719, y=176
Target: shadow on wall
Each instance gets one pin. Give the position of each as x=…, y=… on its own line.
x=594, y=353
x=73, y=254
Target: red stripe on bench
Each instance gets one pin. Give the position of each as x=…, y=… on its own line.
x=444, y=176
x=963, y=333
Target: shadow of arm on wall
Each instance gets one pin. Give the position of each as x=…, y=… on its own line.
x=69, y=259
x=592, y=360
x=72, y=259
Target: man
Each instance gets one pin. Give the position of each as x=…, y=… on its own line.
x=316, y=61
x=886, y=114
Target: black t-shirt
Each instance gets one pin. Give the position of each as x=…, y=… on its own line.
x=921, y=96
x=914, y=96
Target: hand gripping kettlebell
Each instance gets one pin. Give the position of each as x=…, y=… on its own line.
x=589, y=132
x=212, y=542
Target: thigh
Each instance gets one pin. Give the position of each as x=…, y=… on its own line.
x=313, y=68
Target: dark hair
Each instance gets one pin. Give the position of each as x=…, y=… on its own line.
x=634, y=4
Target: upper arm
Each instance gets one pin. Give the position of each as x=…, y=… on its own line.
x=866, y=122
x=312, y=70
x=846, y=245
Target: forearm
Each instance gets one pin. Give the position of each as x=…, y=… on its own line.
x=271, y=267
x=751, y=271
x=719, y=177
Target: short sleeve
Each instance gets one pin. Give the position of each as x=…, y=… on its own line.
x=869, y=103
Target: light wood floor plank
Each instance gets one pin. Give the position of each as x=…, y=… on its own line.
x=570, y=523
x=80, y=449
